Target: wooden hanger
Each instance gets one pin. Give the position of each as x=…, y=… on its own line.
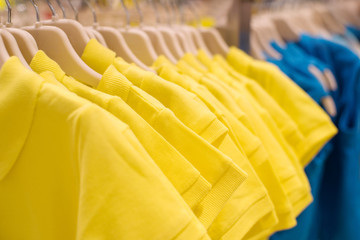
x=183, y=35
x=328, y=102
x=55, y=43
x=214, y=41
x=137, y=40
x=182, y=39
x=90, y=33
x=211, y=36
x=91, y=30
x=286, y=27
x=269, y=30
x=74, y=30
x=10, y=42
x=255, y=47
x=158, y=42
x=4, y=55
x=157, y=38
x=171, y=41
x=329, y=20
x=116, y=42
x=96, y=35
x=311, y=23
x=169, y=34
x=170, y=9
x=349, y=11
x=198, y=40
x=25, y=42
x=188, y=33
x=12, y=46
x=263, y=38
x=193, y=32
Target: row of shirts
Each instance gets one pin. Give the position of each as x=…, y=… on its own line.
x=208, y=148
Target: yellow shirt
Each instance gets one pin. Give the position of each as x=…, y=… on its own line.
x=194, y=114
x=314, y=123
x=71, y=170
x=217, y=168
x=185, y=178
x=271, y=137
x=294, y=182
x=284, y=123
x=231, y=100
x=259, y=161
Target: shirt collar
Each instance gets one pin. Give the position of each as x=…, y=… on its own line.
x=114, y=83
x=241, y=58
x=100, y=58
x=41, y=63
x=19, y=88
x=97, y=56
x=204, y=58
x=194, y=62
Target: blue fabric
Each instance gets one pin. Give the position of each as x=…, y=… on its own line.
x=295, y=65
x=294, y=56
x=346, y=66
x=354, y=30
x=348, y=39
x=335, y=213
x=308, y=221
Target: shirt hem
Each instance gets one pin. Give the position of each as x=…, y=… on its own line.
x=219, y=194
x=315, y=141
x=196, y=192
x=249, y=219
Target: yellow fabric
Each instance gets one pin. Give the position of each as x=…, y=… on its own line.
x=251, y=187
x=185, y=178
x=194, y=114
x=186, y=106
x=285, y=124
x=228, y=98
x=290, y=181
x=264, y=127
x=314, y=123
x=71, y=170
x=217, y=168
x=259, y=161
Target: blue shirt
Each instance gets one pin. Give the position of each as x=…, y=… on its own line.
x=337, y=209
x=295, y=65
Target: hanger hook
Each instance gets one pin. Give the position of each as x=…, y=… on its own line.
x=53, y=13
x=92, y=11
x=167, y=10
x=36, y=10
x=174, y=10
x=195, y=13
x=141, y=16
x=9, y=9
x=127, y=14
x=76, y=12
x=182, y=13
x=62, y=8
x=157, y=17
